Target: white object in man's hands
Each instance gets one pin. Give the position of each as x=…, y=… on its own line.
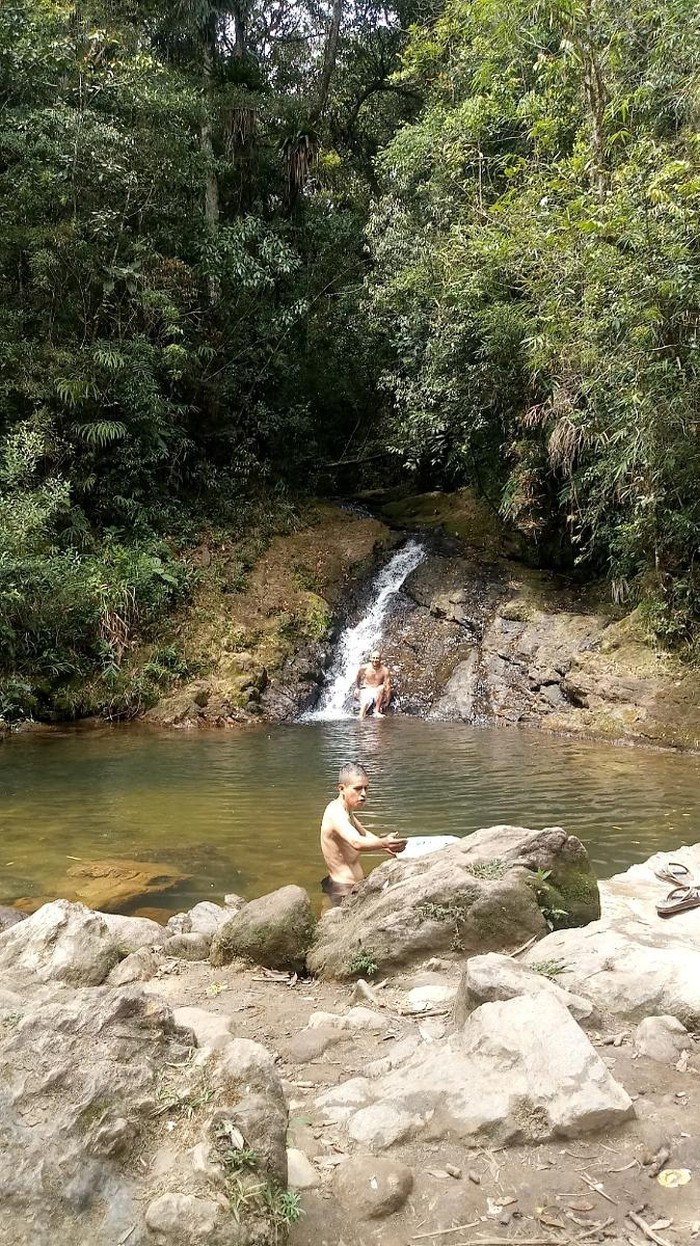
x=421, y=845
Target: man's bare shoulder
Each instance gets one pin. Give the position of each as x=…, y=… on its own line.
x=332, y=815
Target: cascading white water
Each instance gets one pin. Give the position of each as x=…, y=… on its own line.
x=356, y=642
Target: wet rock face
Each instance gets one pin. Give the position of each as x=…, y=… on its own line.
x=115, y=1134
x=474, y=638
x=486, y=893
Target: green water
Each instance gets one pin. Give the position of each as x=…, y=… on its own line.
x=239, y=811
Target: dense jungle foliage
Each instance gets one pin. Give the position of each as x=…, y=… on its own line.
x=254, y=251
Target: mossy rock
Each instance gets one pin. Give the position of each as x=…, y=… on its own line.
x=275, y=930
x=462, y=515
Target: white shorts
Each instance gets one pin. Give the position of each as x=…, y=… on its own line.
x=368, y=696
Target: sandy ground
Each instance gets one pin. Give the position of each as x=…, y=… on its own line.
x=578, y=1191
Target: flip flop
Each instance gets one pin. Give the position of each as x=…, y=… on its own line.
x=674, y=872
x=678, y=900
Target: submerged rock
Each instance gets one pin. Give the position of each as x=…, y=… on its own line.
x=112, y=885
x=492, y=891
x=276, y=931
x=517, y=1071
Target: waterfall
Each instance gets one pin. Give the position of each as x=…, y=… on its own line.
x=356, y=642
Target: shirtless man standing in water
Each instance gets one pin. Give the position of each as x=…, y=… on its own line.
x=373, y=685
x=343, y=837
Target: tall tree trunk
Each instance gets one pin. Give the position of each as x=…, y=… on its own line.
x=596, y=96
x=211, y=185
x=240, y=46
x=330, y=53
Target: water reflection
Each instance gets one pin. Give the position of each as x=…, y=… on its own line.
x=240, y=811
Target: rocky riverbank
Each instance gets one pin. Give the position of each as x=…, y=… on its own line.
x=164, y=1085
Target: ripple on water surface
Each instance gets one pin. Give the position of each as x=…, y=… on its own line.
x=239, y=811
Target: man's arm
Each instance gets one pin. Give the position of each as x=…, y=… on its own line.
x=362, y=840
x=360, y=676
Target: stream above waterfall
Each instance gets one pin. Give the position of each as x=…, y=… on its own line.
x=240, y=811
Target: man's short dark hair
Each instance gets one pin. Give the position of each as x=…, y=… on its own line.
x=351, y=770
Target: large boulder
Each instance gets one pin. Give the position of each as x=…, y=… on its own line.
x=276, y=931
x=632, y=963
x=111, y=1132
x=492, y=891
x=518, y=1071
x=487, y=979
x=61, y=942
x=628, y=968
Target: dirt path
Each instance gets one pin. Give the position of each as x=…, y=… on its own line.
x=579, y=1191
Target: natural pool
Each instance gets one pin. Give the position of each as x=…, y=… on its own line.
x=239, y=811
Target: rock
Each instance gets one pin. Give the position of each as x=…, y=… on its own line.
x=232, y=901
x=209, y=1029
x=628, y=968
x=381, y=1125
x=520, y=1070
x=492, y=977
x=112, y=885
x=662, y=1039
x=310, y=1044
x=356, y=1019
x=422, y=998
x=189, y=946
x=275, y=930
x=61, y=942
x=138, y=967
x=183, y=1218
x=206, y=917
x=636, y=893
x=179, y=923
x=203, y=919
x=483, y=894
x=132, y=933
x=10, y=917
x=371, y=1188
x=101, y=1109
x=301, y=1174
x=244, y=1074
x=10, y=1002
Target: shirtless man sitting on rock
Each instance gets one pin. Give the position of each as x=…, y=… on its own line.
x=373, y=685
x=343, y=837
